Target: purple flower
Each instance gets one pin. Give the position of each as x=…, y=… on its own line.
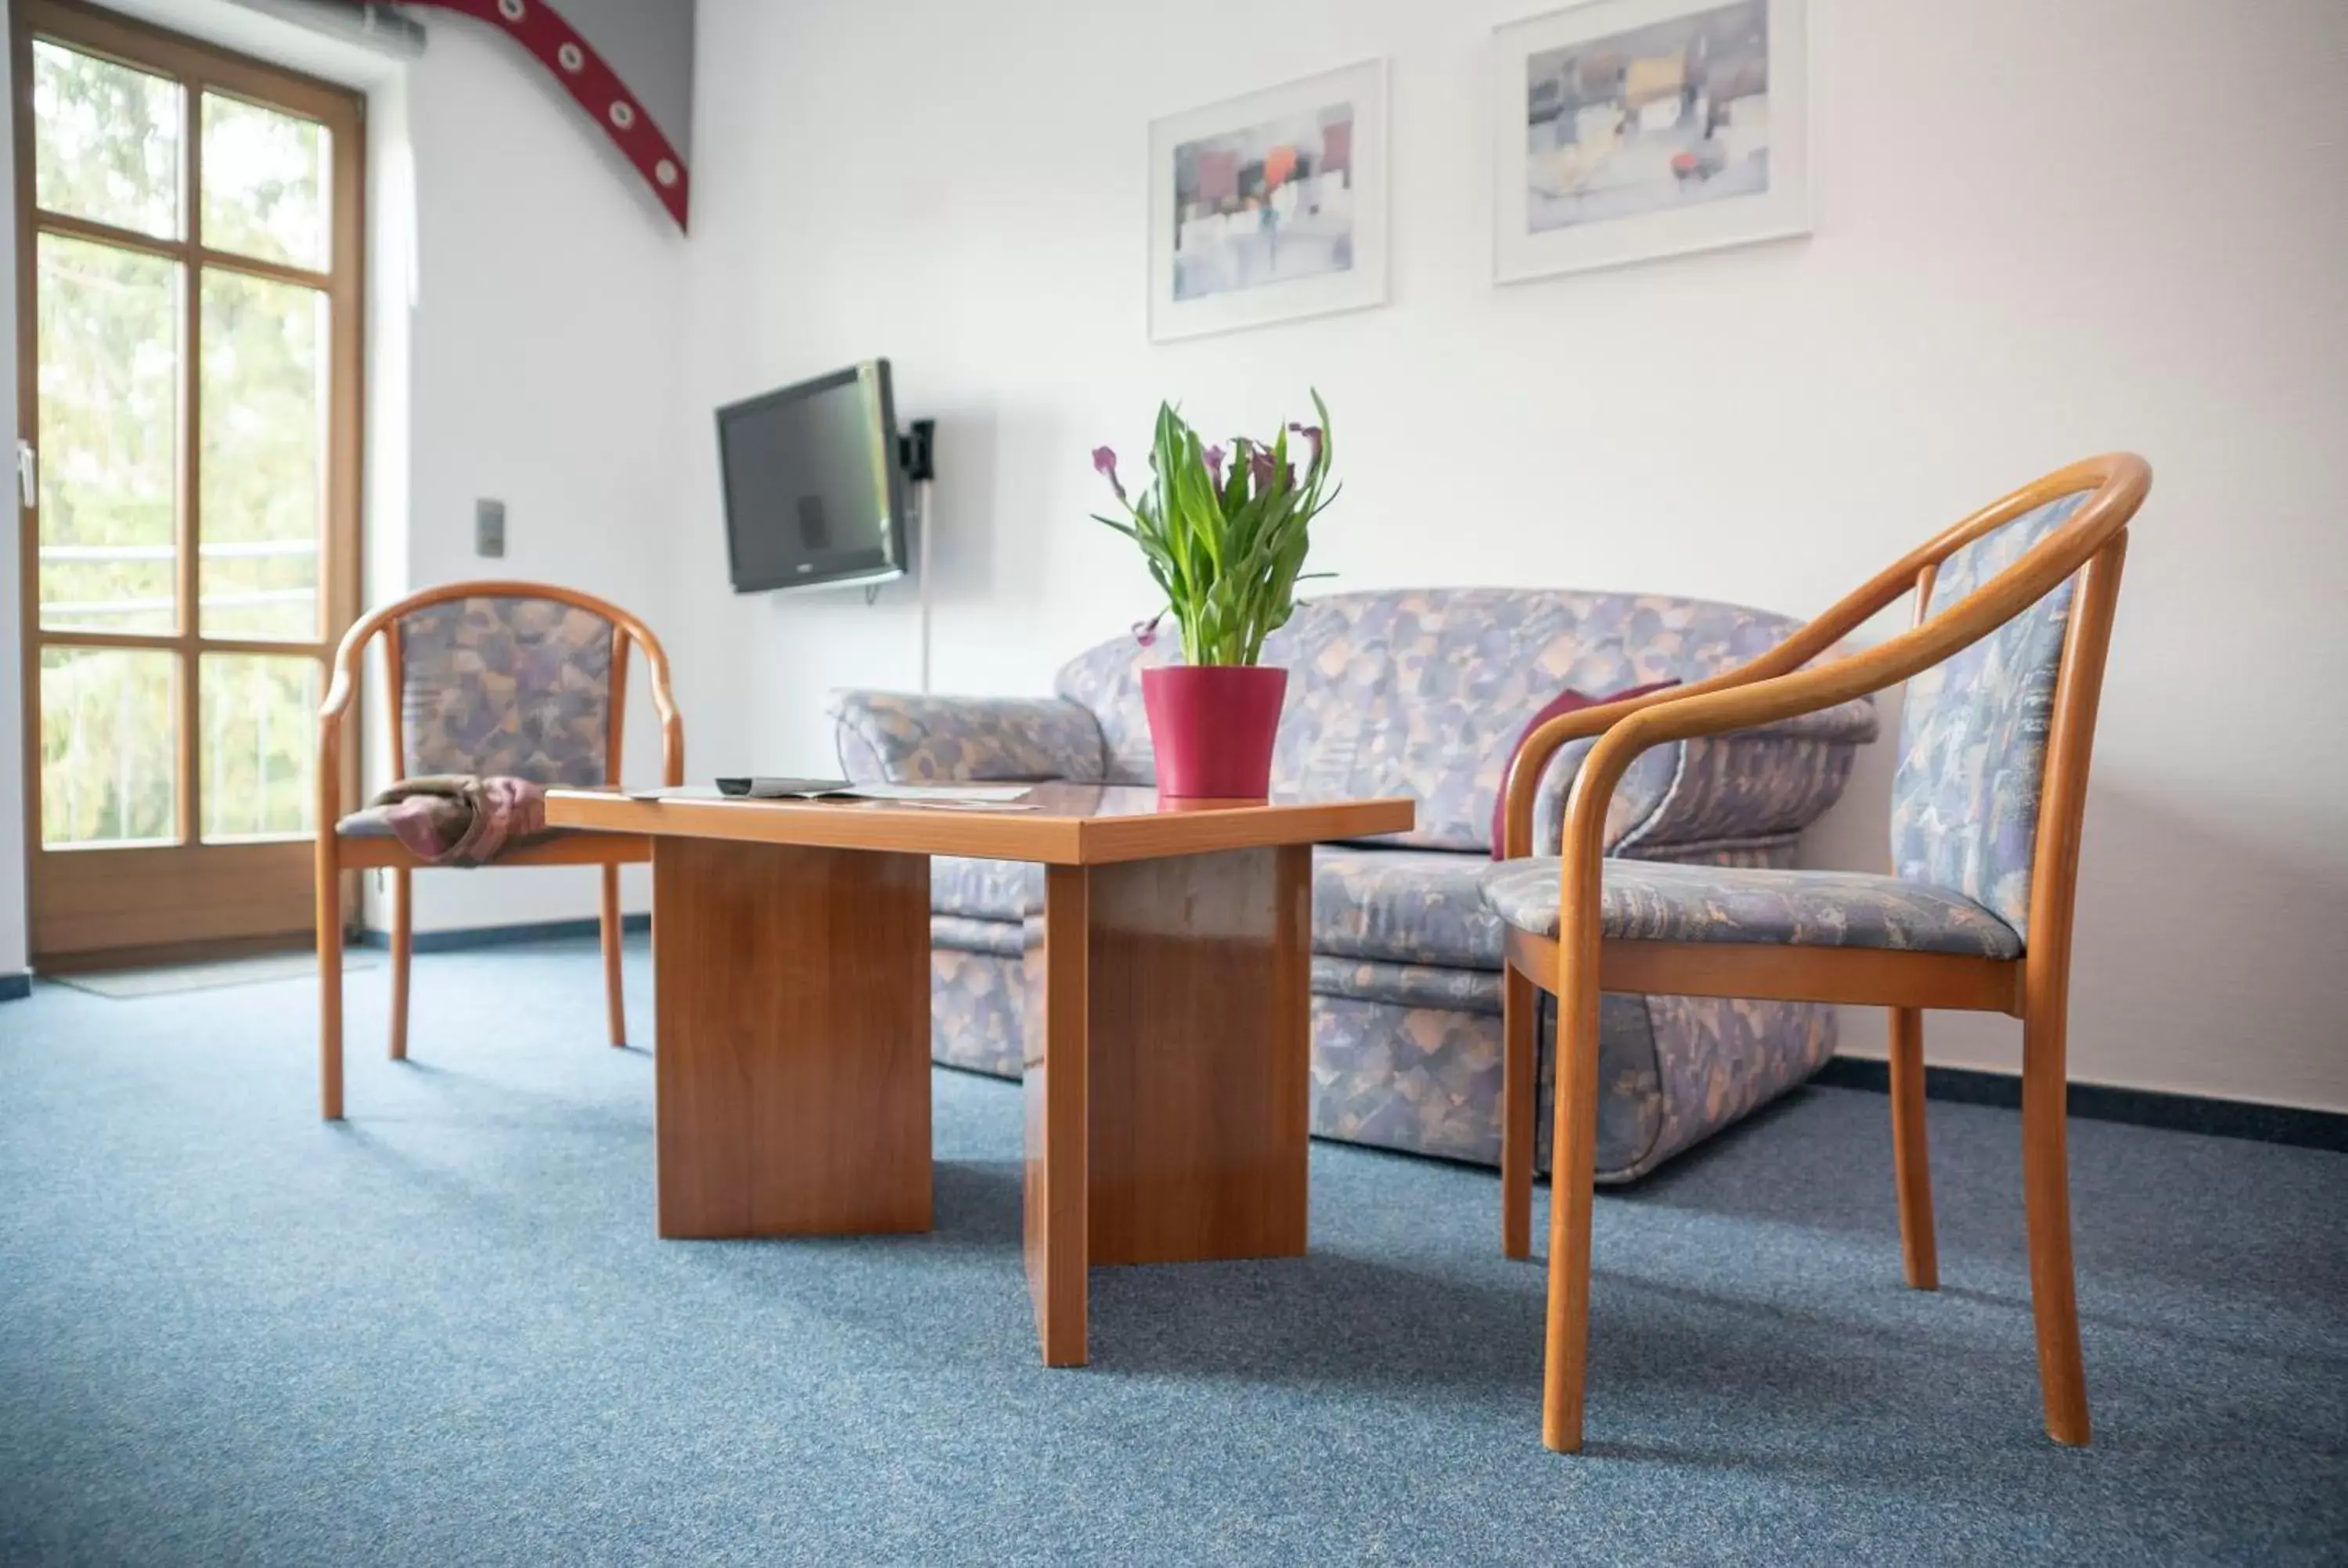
x=1104, y=462
x=1215, y=466
x=1311, y=432
x=1261, y=467
x=1146, y=631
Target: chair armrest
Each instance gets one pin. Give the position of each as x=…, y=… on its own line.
x=896, y=737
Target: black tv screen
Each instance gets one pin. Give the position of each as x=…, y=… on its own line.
x=814, y=490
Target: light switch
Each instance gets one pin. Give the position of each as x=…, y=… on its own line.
x=488, y=528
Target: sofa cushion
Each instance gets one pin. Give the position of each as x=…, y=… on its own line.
x=1657, y=901
x=1423, y=692
x=1408, y=985
x=1389, y=905
x=1106, y=680
x=1566, y=701
x=1404, y=907
x=1002, y=938
x=901, y=738
x=985, y=889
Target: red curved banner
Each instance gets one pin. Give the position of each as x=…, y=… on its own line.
x=582, y=72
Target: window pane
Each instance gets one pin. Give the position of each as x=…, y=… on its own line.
x=109, y=742
x=261, y=722
x=264, y=183
x=264, y=470
x=106, y=142
x=109, y=436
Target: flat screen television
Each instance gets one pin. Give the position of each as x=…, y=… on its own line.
x=814, y=487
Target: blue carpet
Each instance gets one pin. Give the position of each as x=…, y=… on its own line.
x=444, y=1333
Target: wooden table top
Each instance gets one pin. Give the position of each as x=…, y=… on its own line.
x=1063, y=825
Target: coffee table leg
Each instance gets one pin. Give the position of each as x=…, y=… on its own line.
x=1055, y=1078
x=792, y=1071
x=1201, y=1056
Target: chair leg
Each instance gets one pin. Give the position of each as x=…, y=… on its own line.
x=1573, y=1161
x=403, y=943
x=2046, y=1194
x=611, y=956
x=329, y=909
x=1519, y=1020
x=1912, y=1169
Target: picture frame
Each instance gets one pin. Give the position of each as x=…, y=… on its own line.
x=1626, y=130
x=1270, y=207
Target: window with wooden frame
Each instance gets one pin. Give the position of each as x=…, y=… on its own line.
x=190, y=252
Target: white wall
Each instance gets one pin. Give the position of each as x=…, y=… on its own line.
x=544, y=374
x=2045, y=227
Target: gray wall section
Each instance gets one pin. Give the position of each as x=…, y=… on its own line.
x=650, y=44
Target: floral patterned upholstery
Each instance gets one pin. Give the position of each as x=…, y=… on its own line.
x=1408, y=985
x=895, y=738
x=978, y=1010
x=1402, y=907
x=520, y=687
x=985, y=889
x=1424, y=692
x=1972, y=734
x=1106, y=682
x=1421, y=692
x=1655, y=901
x=1003, y=939
x=1426, y=1080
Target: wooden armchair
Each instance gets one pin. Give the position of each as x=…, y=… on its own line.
x=2004, y=666
x=520, y=679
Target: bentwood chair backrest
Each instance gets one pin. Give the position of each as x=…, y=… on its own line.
x=508, y=684
x=525, y=679
x=1973, y=731
x=1984, y=732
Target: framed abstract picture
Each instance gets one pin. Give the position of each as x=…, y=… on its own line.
x=1634, y=128
x=1270, y=207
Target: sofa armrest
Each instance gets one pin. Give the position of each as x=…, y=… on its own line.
x=896, y=737
x=1760, y=782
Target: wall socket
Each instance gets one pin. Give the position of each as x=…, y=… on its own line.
x=488, y=528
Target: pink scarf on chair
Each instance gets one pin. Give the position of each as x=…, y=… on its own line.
x=459, y=819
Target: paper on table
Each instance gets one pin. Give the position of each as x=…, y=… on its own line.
x=909, y=794
x=998, y=793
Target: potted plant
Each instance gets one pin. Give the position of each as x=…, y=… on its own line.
x=1225, y=541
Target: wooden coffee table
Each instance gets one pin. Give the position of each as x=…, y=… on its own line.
x=1168, y=1060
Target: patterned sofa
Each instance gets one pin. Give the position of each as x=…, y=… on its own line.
x=1419, y=692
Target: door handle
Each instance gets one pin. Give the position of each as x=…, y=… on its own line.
x=29, y=475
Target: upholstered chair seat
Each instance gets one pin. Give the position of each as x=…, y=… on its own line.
x=1657, y=901
x=374, y=822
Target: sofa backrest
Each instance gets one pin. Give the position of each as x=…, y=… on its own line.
x=1424, y=691
x=1973, y=731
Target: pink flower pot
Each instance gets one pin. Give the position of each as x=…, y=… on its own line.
x=1212, y=728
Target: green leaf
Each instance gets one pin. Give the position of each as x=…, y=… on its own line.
x=1227, y=555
